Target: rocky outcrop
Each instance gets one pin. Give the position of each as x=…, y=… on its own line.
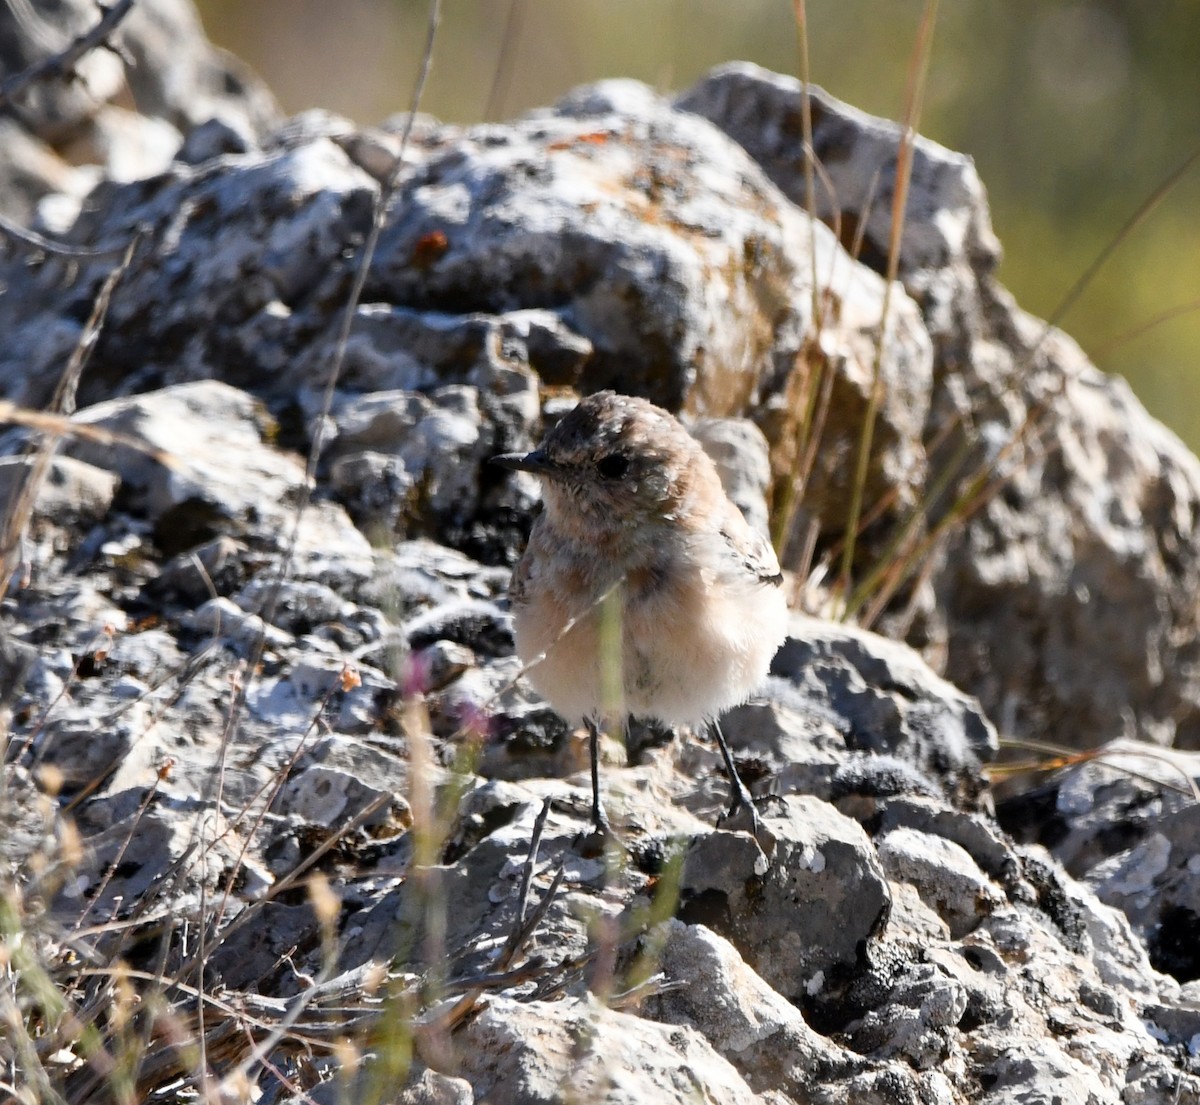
x=229, y=686
x=620, y=240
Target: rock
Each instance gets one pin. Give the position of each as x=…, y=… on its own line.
x=408, y=465
x=806, y=911
x=213, y=569
x=431, y=1088
x=532, y=1052
x=710, y=988
x=71, y=490
x=126, y=863
x=943, y=873
x=16, y=659
x=1122, y=824
x=883, y=699
x=198, y=443
x=222, y=619
x=761, y=111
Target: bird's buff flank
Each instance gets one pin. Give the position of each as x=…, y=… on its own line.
x=643, y=591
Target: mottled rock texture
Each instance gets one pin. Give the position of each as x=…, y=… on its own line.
x=230, y=668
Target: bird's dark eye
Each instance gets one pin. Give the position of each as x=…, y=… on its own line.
x=613, y=466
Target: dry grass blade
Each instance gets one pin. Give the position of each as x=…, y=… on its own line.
x=463, y=1008
x=914, y=97
x=817, y=381
x=902, y=552
x=1178, y=311
x=514, y=21
x=381, y=209
x=800, y=8
x=62, y=426
x=1143, y=212
x=1056, y=757
x=294, y=876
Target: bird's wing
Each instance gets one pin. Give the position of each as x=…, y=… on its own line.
x=519, y=584
x=749, y=549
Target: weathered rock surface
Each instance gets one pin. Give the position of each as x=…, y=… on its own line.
x=228, y=693
x=1127, y=824
x=68, y=133
x=1093, y=534
x=619, y=240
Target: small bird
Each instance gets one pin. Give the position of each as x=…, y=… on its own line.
x=643, y=591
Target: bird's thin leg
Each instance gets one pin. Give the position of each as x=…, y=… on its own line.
x=739, y=794
x=598, y=818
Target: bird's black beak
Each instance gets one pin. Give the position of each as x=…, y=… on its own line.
x=536, y=462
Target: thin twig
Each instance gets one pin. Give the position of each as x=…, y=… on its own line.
x=382, y=207
x=39, y=243
x=25, y=492
x=466, y=1004
x=514, y=939
x=62, y=65
x=1100, y=352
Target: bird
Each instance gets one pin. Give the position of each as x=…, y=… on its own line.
x=642, y=591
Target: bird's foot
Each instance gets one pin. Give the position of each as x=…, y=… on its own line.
x=742, y=816
x=600, y=839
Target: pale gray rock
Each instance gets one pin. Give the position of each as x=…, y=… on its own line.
x=128, y=862
x=214, y=568
x=537, y=1053
x=917, y=1021
x=406, y=465
x=326, y=797
x=945, y=875
x=151, y=655
x=256, y=956
x=1126, y=824
x=70, y=491
x=431, y=1088
x=801, y=914
x=420, y=575
x=742, y=456
x=83, y=753
x=222, y=619
x=400, y=348
x=376, y=489
x=947, y=223
x=294, y=605
x=200, y=446
x=882, y=698
x=709, y=986
x=163, y=61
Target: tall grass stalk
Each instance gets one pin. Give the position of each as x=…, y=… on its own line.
x=914, y=99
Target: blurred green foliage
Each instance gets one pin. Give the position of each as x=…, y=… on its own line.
x=1074, y=112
